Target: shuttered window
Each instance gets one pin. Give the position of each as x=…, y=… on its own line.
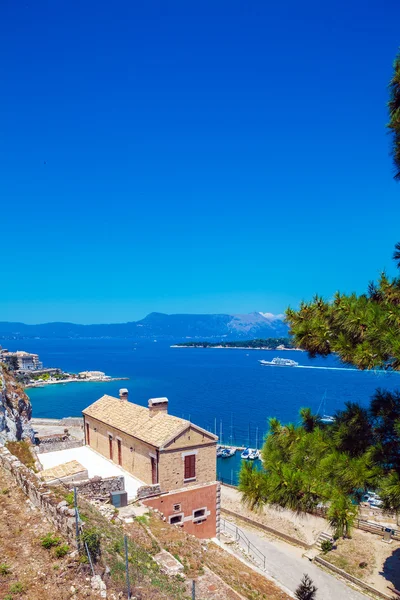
x=190, y=466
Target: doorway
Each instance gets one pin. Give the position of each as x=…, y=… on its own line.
x=119, y=446
x=153, y=470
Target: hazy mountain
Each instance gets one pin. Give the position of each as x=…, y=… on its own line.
x=160, y=326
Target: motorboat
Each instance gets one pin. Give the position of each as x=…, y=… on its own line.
x=279, y=362
x=254, y=455
x=228, y=452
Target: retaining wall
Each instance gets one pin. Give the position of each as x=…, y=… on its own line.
x=41, y=496
x=358, y=582
x=275, y=532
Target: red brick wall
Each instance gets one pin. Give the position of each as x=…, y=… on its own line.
x=190, y=500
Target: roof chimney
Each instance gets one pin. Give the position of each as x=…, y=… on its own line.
x=123, y=394
x=158, y=405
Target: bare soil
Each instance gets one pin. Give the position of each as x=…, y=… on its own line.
x=33, y=569
x=382, y=560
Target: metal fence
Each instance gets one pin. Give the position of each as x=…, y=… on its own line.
x=241, y=538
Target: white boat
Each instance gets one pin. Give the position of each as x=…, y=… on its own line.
x=228, y=452
x=279, y=362
x=246, y=453
x=327, y=419
x=254, y=455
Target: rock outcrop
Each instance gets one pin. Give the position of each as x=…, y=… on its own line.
x=15, y=410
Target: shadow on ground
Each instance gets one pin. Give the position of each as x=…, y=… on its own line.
x=391, y=569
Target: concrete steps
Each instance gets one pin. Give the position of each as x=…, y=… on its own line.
x=323, y=536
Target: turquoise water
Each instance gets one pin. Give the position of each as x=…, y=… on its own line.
x=209, y=386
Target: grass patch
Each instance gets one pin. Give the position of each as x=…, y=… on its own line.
x=353, y=556
x=144, y=571
x=22, y=450
x=5, y=569
x=49, y=541
x=17, y=588
x=61, y=551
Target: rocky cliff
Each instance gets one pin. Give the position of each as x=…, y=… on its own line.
x=15, y=410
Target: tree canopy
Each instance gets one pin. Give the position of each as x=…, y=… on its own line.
x=394, y=114
x=334, y=465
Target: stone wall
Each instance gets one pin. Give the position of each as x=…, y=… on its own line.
x=146, y=491
x=40, y=494
x=50, y=445
x=99, y=487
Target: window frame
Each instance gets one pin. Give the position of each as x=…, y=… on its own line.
x=180, y=523
x=190, y=468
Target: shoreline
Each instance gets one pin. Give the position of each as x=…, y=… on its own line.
x=237, y=348
x=75, y=380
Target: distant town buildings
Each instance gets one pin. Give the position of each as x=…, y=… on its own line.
x=20, y=360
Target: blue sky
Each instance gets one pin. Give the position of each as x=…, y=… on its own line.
x=192, y=156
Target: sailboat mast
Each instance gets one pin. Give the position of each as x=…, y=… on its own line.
x=220, y=432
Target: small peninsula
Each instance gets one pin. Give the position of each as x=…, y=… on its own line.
x=28, y=370
x=282, y=343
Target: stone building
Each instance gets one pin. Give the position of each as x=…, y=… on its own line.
x=175, y=459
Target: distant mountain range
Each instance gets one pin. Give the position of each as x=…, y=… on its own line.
x=161, y=327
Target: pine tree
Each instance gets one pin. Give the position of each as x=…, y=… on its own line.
x=306, y=589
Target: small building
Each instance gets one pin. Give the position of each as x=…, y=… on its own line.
x=21, y=360
x=174, y=458
x=92, y=375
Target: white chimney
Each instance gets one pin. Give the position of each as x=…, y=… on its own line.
x=157, y=405
x=123, y=394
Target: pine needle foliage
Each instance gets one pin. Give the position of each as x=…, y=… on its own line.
x=306, y=589
x=394, y=115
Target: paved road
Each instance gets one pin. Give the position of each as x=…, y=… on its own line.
x=285, y=564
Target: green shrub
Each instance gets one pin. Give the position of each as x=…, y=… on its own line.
x=70, y=499
x=5, y=491
x=49, y=540
x=61, y=551
x=4, y=569
x=91, y=538
x=17, y=588
x=326, y=546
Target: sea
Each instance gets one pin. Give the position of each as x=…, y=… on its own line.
x=225, y=391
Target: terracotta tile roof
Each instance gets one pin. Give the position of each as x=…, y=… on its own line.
x=135, y=420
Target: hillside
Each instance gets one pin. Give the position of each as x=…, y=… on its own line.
x=160, y=326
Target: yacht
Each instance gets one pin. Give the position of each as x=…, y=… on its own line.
x=324, y=418
x=246, y=453
x=228, y=452
x=279, y=362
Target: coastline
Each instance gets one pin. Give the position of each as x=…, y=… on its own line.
x=75, y=380
x=237, y=348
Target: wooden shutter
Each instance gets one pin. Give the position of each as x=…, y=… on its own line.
x=190, y=466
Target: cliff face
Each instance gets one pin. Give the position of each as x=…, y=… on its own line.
x=15, y=410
